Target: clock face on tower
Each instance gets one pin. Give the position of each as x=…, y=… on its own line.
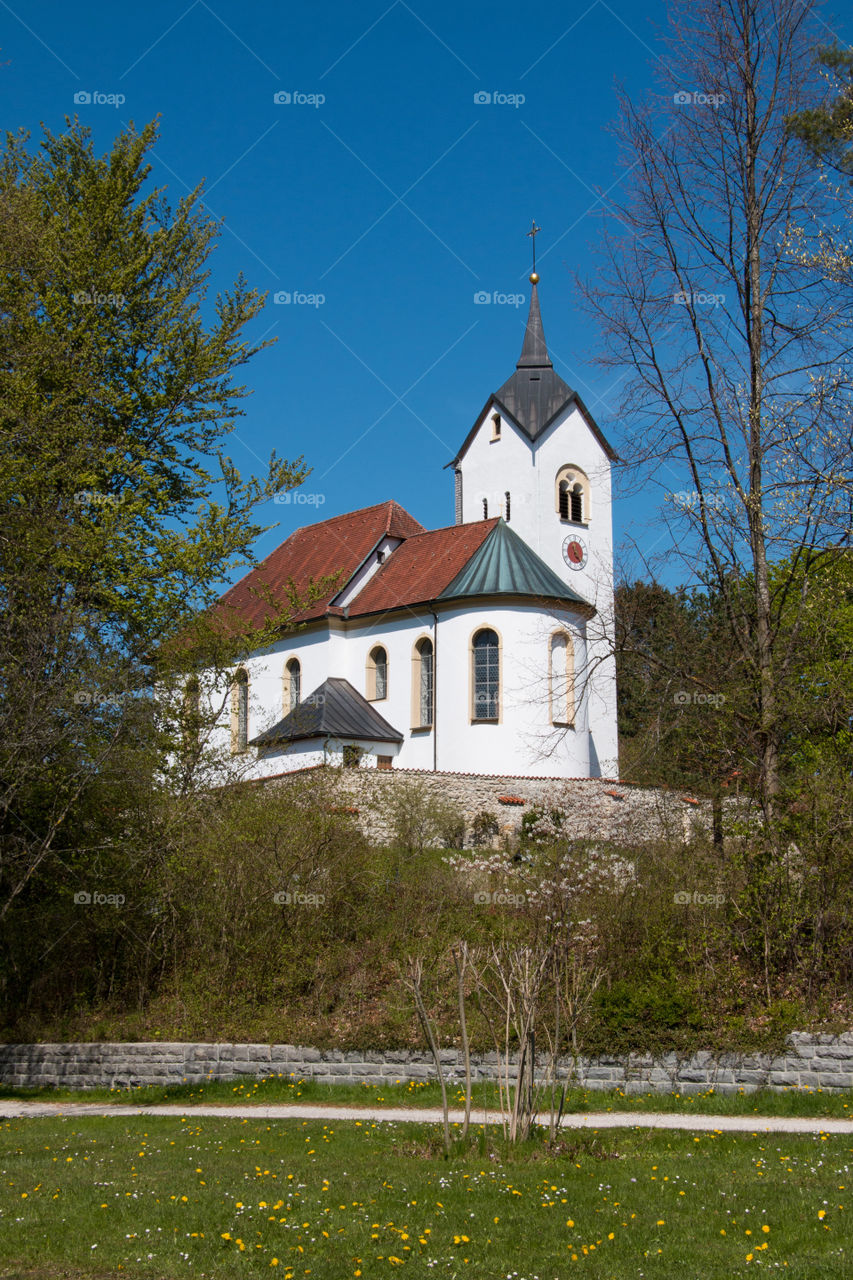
x=574, y=552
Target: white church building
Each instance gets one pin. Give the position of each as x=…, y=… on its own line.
x=483, y=647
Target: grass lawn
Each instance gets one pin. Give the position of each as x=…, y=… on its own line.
x=277, y=1088
x=175, y=1196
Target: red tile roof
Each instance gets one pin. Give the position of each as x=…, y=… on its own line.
x=421, y=567
x=334, y=546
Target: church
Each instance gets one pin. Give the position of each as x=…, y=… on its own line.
x=484, y=647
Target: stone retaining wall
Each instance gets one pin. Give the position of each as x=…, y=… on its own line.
x=810, y=1062
x=595, y=808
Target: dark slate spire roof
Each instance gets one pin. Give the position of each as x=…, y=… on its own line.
x=535, y=393
x=506, y=565
x=334, y=710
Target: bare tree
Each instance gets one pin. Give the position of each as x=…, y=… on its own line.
x=738, y=348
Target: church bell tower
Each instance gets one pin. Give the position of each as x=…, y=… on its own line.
x=536, y=458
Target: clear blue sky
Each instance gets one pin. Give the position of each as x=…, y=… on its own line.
x=397, y=199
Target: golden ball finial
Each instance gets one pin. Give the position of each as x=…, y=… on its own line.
x=534, y=277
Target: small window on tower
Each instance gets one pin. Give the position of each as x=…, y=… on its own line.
x=577, y=503
x=496, y=426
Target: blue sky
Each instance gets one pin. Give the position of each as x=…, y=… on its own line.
x=396, y=200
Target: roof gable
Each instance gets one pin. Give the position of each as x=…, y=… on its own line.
x=535, y=395
x=334, y=710
x=335, y=546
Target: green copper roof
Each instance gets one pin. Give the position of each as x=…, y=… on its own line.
x=505, y=565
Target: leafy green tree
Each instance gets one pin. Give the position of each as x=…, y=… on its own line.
x=120, y=510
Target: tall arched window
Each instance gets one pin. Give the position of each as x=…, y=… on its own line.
x=485, y=683
x=291, y=692
x=377, y=674
x=240, y=712
x=190, y=720
x=572, y=495
x=423, y=684
x=562, y=679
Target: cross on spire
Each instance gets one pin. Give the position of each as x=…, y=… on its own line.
x=533, y=233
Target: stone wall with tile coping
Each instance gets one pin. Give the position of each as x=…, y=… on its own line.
x=809, y=1062
x=595, y=808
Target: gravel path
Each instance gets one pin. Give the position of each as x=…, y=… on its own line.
x=430, y=1115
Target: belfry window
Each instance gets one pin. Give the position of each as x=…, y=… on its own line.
x=572, y=495
x=485, y=683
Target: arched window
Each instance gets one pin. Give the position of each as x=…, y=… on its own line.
x=240, y=712
x=423, y=684
x=562, y=679
x=572, y=495
x=190, y=720
x=485, y=672
x=377, y=674
x=291, y=691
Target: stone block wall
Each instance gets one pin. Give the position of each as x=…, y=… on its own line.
x=595, y=808
x=809, y=1062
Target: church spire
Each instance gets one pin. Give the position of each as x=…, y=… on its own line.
x=534, y=353
x=535, y=393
